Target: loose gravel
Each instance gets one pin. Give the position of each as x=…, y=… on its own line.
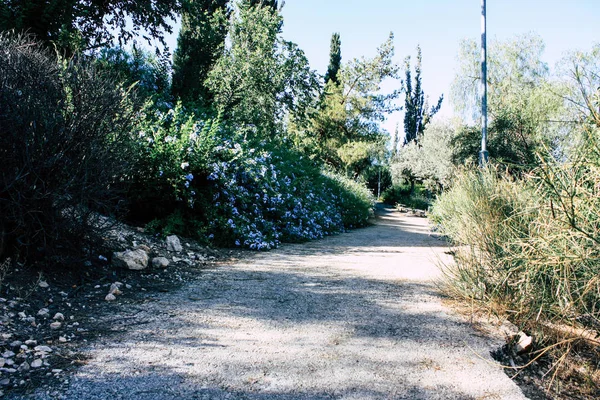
x=355, y=316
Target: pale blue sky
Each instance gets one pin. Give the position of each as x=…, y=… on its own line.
x=438, y=26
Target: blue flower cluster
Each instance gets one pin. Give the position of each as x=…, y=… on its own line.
x=264, y=199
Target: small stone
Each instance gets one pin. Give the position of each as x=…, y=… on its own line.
x=173, y=244
x=59, y=317
x=8, y=354
x=24, y=367
x=24, y=347
x=127, y=286
x=131, y=259
x=44, y=313
x=55, y=325
x=524, y=344
x=16, y=343
x=56, y=371
x=31, y=342
x=5, y=382
x=10, y=370
x=43, y=349
x=97, y=287
x=114, y=288
x=22, y=315
x=62, y=339
x=177, y=259
x=2, y=362
x=10, y=361
x=110, y=297
x=143, y=247
x=37, y=363
x=43, y=284
x=160, y=262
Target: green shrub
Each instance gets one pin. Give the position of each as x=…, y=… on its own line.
x=64, y=130
x=194, y=179
x=403, y=195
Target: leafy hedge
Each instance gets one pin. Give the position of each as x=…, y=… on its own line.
x=199, y=180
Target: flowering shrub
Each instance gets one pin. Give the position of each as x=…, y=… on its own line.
x=195, y=180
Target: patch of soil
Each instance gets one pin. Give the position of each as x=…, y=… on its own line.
x=62, y=309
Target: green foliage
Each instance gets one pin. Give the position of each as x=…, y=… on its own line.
x=429, y=161
x=74, y=25
x=416, y=112
x=65, y=129
x=416, y=197
x=344, y=130
x=335, y=59
x=200, y=43
x=149, y=74
x=261, y=79
x=525, y=107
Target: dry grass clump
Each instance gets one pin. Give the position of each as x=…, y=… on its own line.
x=529, y=249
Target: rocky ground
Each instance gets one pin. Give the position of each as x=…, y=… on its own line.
x=352, y=316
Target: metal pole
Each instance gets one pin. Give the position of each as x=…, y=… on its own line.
x=483, y=154
x=379, y=184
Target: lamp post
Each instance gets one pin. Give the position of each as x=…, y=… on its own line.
x=483, y=154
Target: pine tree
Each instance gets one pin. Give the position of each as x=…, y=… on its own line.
x=416, y=115
x=395, y=141
x=200, y=41
x=335, y=59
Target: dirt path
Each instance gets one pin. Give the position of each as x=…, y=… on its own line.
x=354, y=316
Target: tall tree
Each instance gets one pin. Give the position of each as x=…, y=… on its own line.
x=345, y=130
x=335, y=59
x=416, y=112
x=200, y=42
x=83, y=24
x=261, y=79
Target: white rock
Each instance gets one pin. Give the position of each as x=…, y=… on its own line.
x=131, y=259
x=62, y=339
x=24, y=367
x=22, y=315
x=31, y=342
x=56, y=371
x=177, y=259
x=43, y=284
x=110, y=297
x=524, y=344
x=8, y=354
x=37, y=363
x=55, y=325
x=10, y=361
x=43, y=349
x=173, y=243
x=44, y=313
x=2, y=362
x=59, y=317
x=160, y=262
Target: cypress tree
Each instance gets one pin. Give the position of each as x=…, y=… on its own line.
x=335, y=59
x=200, y=41
x=416, y=114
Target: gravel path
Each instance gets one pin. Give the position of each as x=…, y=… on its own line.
x=355, y=316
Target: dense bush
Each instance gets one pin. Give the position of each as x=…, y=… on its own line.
x=528, y=246
x=64, y=130
x=406, y=196
x=194, y=179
